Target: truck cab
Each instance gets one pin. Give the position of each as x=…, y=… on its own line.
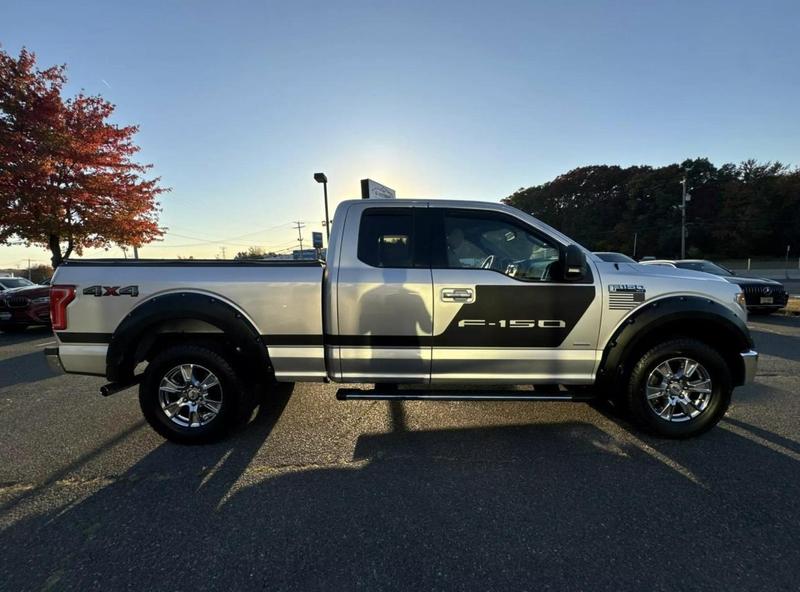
x=454, y=292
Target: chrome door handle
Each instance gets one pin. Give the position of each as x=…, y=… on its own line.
x=458, y=295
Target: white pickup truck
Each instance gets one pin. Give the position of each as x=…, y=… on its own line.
x=415, y=294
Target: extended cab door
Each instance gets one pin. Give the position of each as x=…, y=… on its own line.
x=384, y=302
x=503, y=312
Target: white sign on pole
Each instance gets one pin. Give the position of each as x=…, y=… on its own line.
x=373, y=190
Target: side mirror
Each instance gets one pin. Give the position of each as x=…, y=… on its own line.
x=574, y=263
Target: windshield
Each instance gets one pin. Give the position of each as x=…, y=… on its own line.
x=705, y=266
x=8, y=283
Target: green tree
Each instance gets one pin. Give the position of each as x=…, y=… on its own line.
x=736, y=210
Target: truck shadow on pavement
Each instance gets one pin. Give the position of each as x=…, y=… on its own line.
x=25, y=368
x=24, y=336
x=578, y=505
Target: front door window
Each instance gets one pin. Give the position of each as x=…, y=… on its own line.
x=478, y=241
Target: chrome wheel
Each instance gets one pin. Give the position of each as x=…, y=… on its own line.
x=679, y=389
x=190, y=395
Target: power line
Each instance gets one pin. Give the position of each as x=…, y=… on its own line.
x=228, y=243
x=226, y=240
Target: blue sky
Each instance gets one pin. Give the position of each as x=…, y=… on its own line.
x=239, y=103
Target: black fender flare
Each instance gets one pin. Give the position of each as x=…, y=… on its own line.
x=121, y=357
x=685, y=311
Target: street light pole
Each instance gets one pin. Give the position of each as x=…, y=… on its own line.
x=321, y=178
x=683, y=218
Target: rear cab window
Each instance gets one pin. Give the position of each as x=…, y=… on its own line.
x=386, y=237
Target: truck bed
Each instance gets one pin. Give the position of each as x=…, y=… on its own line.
x=193, y=263
x=282, y=300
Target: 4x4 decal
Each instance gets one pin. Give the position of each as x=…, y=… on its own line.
x=111, y=291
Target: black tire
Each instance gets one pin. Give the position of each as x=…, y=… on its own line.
x=237, y=399
x=646, y=417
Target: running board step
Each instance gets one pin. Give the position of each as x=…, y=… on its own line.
x=354, y=394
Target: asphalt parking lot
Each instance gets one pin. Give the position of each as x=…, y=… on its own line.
x=320, y=494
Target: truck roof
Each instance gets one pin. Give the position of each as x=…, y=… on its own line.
x=466, y=204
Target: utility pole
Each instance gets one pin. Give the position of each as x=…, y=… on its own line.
x=29, y=266
x=223, y=252
x=684, y=198
x=300, y=226
x=635, y=237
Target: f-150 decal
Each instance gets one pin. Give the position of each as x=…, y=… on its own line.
x=550, y=312
x=625, y=288
x=513, y=323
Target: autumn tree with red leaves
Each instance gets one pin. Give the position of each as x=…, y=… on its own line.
x=67, y=178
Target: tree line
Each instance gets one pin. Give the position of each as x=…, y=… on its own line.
x=255, y=253
x=735, y=210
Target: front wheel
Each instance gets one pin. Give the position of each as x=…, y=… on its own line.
x=679, y=389
x=191, y=394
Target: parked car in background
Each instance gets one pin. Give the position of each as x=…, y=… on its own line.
x=762, y=295
x=10, y=283
x=612, y=257
x=24, y=306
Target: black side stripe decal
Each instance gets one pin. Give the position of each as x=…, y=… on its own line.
x=68, y=337
x=380, y=340
x=388, y=341
x=279, y=340
x=286, y=340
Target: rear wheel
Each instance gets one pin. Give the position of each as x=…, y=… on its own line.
x=191, y=394
x=679, y=389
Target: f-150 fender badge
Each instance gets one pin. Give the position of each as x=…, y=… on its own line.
x=111, y=291
x=626, y=288
x=514, y=323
